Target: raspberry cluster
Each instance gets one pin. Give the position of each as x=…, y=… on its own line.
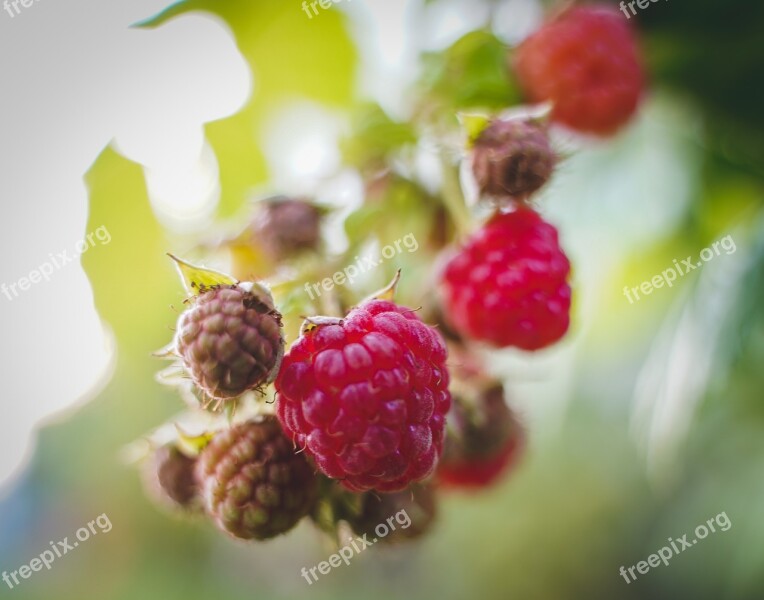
x=347, y=425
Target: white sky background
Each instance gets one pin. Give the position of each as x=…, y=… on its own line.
x=74, y=77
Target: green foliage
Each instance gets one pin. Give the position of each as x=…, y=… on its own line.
x=291, y=58
x=128, y=281
x=375, y=137
x=714, y=53
x=472, y=73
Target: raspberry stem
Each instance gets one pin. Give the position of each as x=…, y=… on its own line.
x=453, y=199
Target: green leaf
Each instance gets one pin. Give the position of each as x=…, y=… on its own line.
x=196, y=279
x=472, y=73
x=375, y=136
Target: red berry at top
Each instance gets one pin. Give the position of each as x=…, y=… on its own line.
x=508, y=285
x=367, y=397
x=585, y=62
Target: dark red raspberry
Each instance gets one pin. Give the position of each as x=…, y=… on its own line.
x=484, y=439
x=587, y=63
x=169, y=477
x=508, y=285
x=367, y=396
x=405, y=515
x=284, y=227
x=253, y=483
x=512, y=159
x=230, y=340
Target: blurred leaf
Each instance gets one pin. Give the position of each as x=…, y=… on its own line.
x=715, y=53
x=375, y=136
x=394, y=195
x=472, y=73
x=360, y=222
x=291, y=57
x=131, y=264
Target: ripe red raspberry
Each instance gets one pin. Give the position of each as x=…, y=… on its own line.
x=484, y=439
x=169, y=477
x=367, y=396
x=230, y=340
x=284, y=227
x=587, y=63
x=508, y=285
x=411, y=512
x=512, y=159
x=253, y=483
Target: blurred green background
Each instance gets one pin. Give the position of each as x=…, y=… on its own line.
x=648, y=421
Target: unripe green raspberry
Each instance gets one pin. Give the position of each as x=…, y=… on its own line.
x=230, y=340
x=253, y=483
x=411, y=511
x=512, y=159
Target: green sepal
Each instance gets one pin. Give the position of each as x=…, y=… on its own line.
x=473, y=126
x=192, y=445
x=198, y=279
